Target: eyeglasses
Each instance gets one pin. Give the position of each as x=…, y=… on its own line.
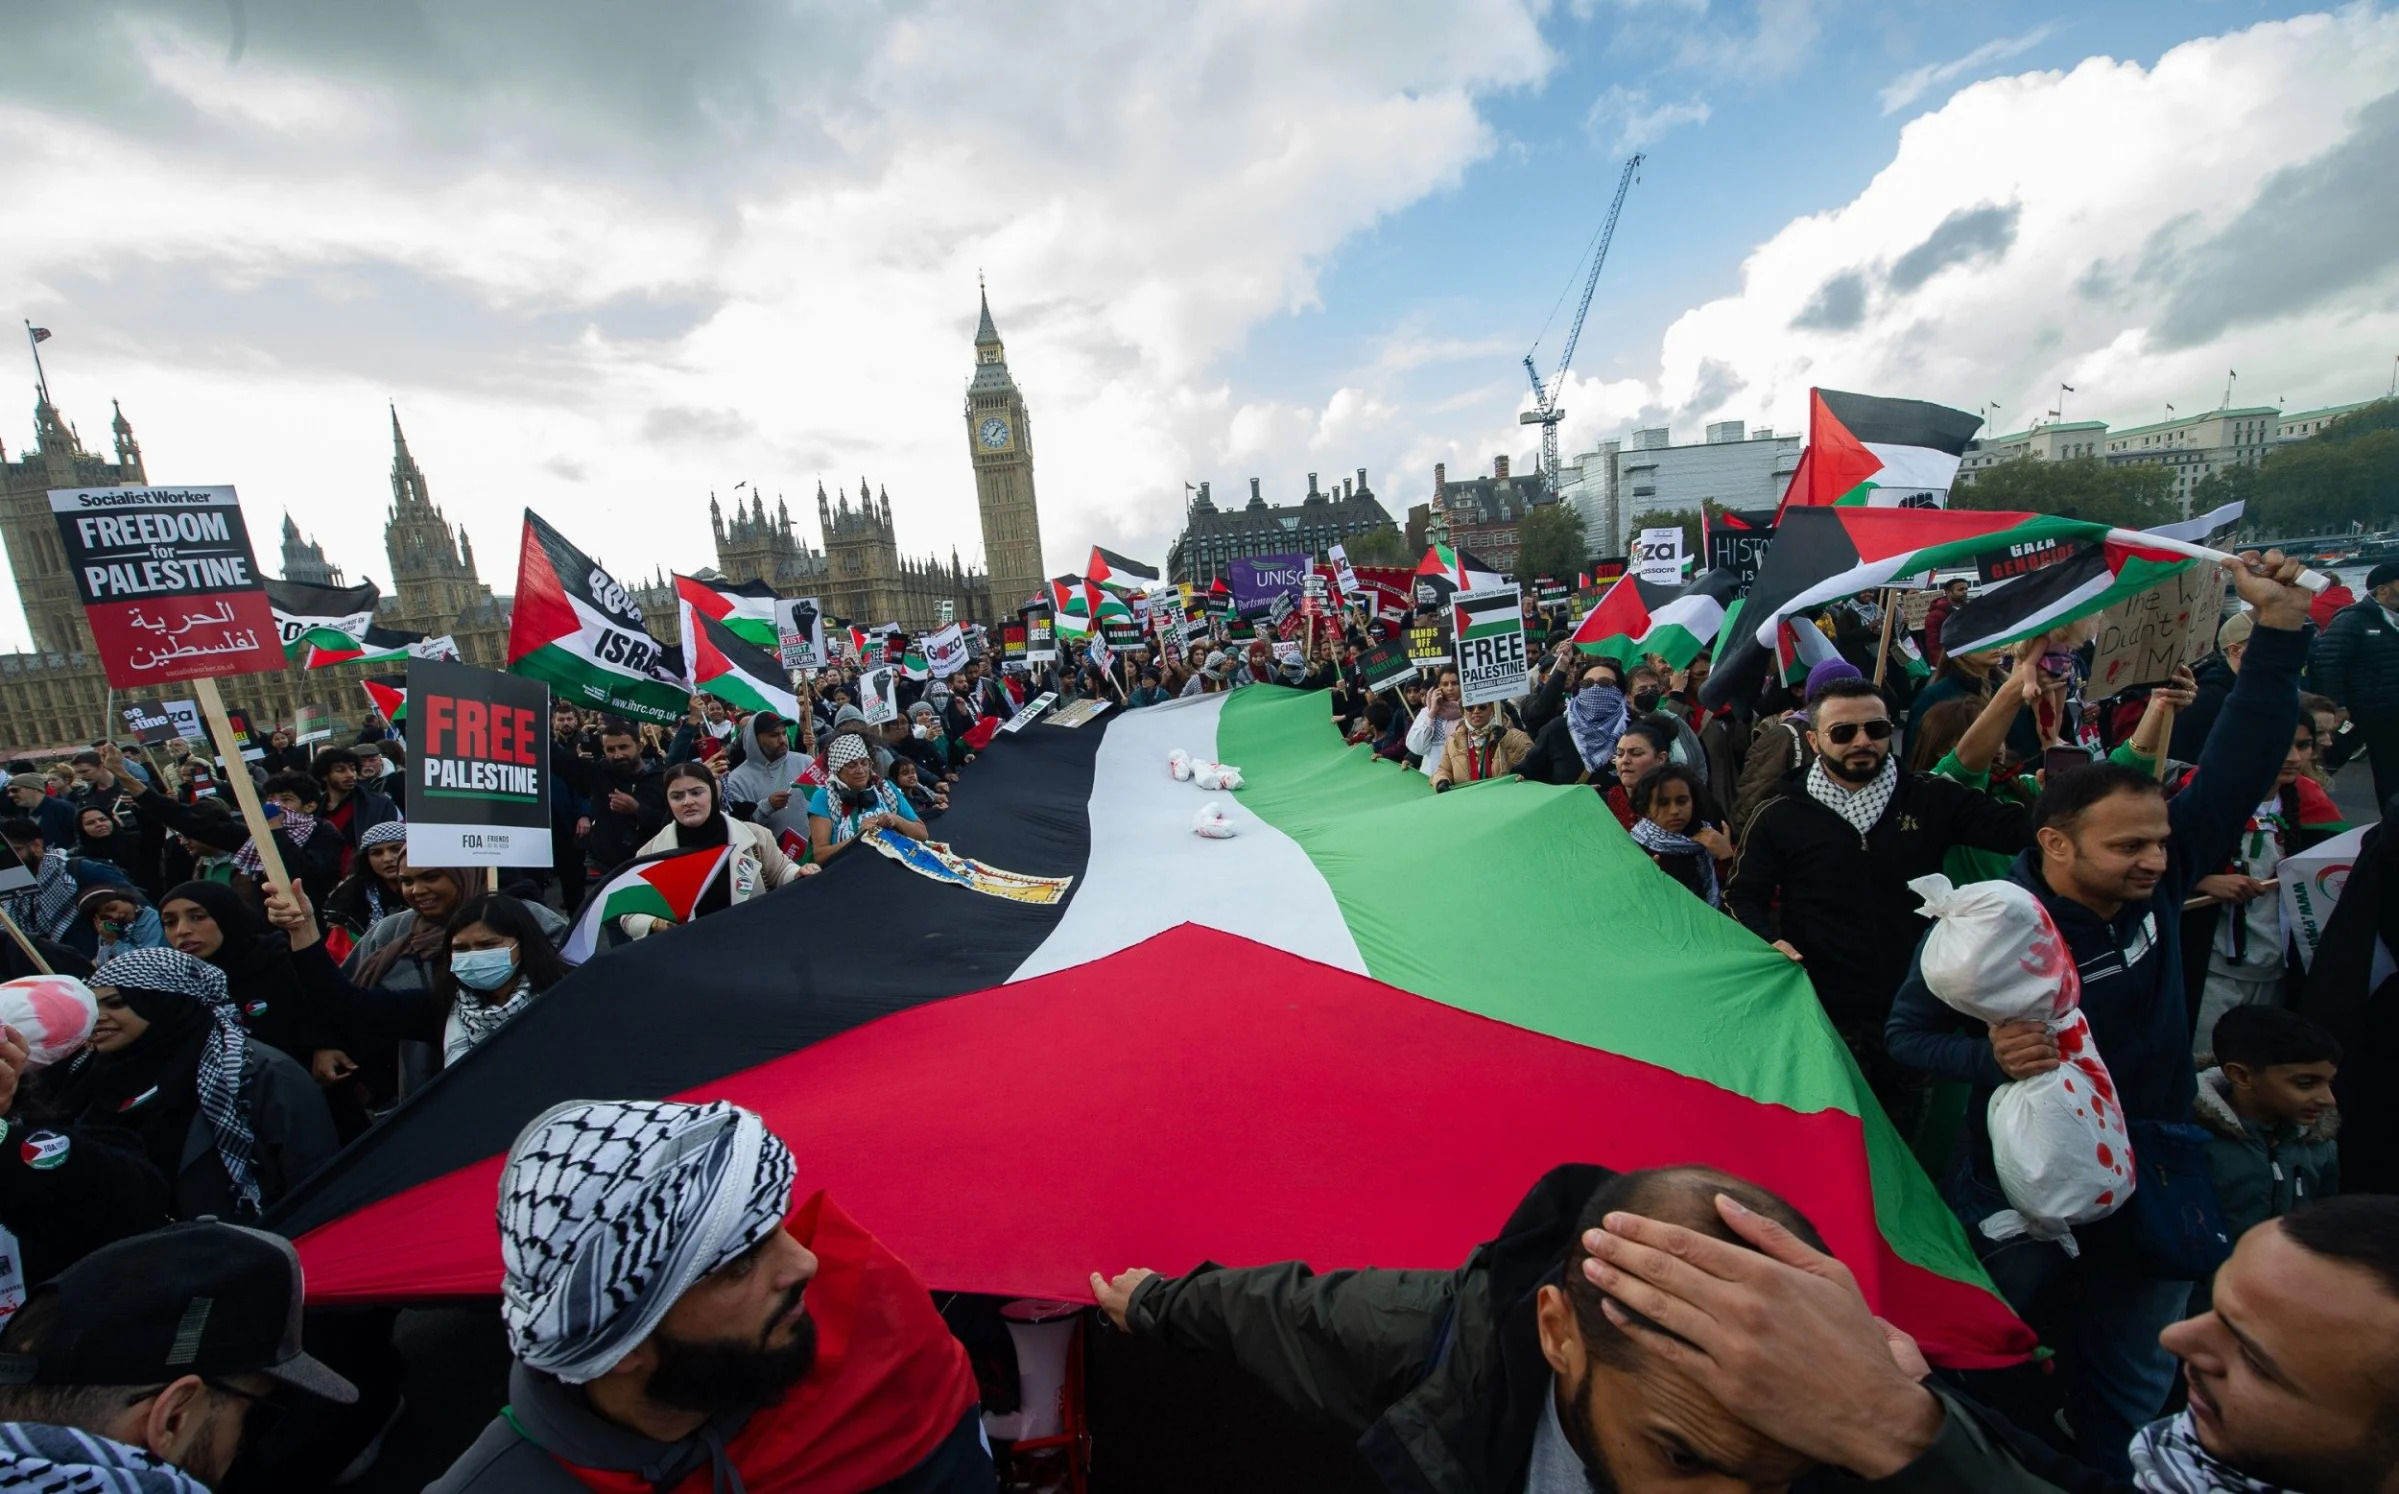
x=1846, y=732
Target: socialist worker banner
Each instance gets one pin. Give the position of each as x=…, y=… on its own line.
x=167, y=582
x=478, y=752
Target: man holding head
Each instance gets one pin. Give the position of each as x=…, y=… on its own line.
x=1514, y=1375
x=676, y=1323
x=2113, y=863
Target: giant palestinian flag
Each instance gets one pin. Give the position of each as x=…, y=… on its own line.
x=1639, y=617
x=1820, y=555
x=1880, y=453
x=2091, y=579
x=744, y=608
x=1296, y=1054
x=722, y=663
x=577, y=629
x=320, y=617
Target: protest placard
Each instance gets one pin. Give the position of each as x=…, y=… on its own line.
x=1658, y=556
x=148, y=721
x=1342, y=572
x=313, y=723
x=1739, y=550
x=1079, y=712
x=167, y=582
x=879, y=694
x=1489, y=624
x=1259, y=580
x=1026, y=713
x=1012, y=643
x=1386, y=666
x=186, y=716
x=945, y=651
x=2142, y=639
x=478, y=766
x=800, y=632
x=1041, y=637
x=1428, y=641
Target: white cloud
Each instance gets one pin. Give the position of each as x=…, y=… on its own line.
x=1631, y=122
x=1917, y=82
x=2232, y=222
x=604, y=276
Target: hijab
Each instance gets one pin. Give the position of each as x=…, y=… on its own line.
x=191, y=1059
x=426, y=940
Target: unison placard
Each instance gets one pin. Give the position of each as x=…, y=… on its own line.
x=479, y=765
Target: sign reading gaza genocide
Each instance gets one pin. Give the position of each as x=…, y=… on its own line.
x=1490, y=634
x=479, y=752
x=167, y=583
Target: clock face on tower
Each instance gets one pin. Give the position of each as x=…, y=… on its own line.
x=994, y=434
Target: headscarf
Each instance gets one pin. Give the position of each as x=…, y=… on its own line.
x=390, y=832
x=295, y=825
x=43, y=1458
x=370, y=886
x=2167, y=1458
x=53, y=895
x=610, y=1210
x=426, y=939
x=1656, y=839
x=1596, y=715
x=180, y=996
x=844, y=750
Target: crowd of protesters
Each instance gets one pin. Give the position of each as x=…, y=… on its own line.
x=1675, y=1326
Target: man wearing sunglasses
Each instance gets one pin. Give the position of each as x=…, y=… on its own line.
x=149, y=1363
x=1833, y=851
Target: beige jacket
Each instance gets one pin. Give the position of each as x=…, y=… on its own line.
x=1458, y=767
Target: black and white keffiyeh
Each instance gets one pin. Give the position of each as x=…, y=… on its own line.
x=1861, y=807
x=610, y=1210
x=2167, y=1459
x=472, y=1019
x=172, y=972
x=1656, y=839
x=51, y=903
x=390, y=832
x=40, y=1459
x=301, y=828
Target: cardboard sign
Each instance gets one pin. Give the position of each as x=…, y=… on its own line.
x=2142, y=639
x=800, y=632
x=1740, y=551
x=167, y=583
x=478, y=767
x=1489, y=623
x=1284, y=653
x=314, y=723
x=1080, y=712
x=1030, y=710
x=1386, y=666
x=2311, y=883
x=1041, y=636
x=1312, y=596
x=945, y=652
x=149, y=722
x=1428, y=642
x=878, y=694
x=1658, y=556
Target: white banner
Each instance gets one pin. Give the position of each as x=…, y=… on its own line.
x=945, y=652
x=2311, y=884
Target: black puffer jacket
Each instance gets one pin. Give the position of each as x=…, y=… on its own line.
x=2357, y=662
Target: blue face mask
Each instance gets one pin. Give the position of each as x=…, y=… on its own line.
x=483, y=969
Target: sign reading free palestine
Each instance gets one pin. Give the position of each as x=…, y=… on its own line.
x=478, y=766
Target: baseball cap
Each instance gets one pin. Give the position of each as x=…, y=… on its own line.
x=201, y=1298
x=2236, y=630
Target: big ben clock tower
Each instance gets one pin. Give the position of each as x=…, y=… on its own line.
x=1000, y=439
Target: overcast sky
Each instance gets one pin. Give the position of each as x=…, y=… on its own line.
x=607, y=258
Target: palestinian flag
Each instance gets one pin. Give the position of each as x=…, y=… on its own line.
x=1073, y=603
x=1112, y=570
x=663, y=884
x=746, y=608
x=320, y=617
x=1638, y=617
x=577, y=629
x=724, y=664
x=389, y=697
x=381, y=646
x=2091, y=579
x=1820, y=555
x=915, y=666
x=1444, y=570
x=1881, y=453
x=1307, y=1025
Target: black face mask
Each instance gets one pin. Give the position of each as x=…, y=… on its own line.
x=1647, y=700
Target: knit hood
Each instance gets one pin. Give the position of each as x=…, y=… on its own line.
x=2212, y=1108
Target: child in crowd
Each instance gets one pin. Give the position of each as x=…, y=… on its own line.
x=1679, y=826
x=2269, y=1110
x=927, y=802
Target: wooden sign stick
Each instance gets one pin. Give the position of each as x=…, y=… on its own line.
x=25, y=944
x=237, y=774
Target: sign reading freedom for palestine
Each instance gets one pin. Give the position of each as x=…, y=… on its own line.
x=479, y=750
x=167, y=583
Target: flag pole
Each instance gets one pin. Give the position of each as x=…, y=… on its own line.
x=237, y=775
x=43, y=380
x=1882, y=651
x=25, y=944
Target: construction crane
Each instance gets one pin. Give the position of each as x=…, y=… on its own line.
x=1545, y=412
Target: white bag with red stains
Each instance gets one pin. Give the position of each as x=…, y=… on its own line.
x=52, y=1013
x=2058, y=1140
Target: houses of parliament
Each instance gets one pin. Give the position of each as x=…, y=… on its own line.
x=56, y=696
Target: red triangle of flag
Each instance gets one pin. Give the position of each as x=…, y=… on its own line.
x=1834, y=463
x=681, y=879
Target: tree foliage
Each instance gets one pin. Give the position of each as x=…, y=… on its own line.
x=2134, y=496
x=1549, y=541
x=2346, y=475
x=1384, y=546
